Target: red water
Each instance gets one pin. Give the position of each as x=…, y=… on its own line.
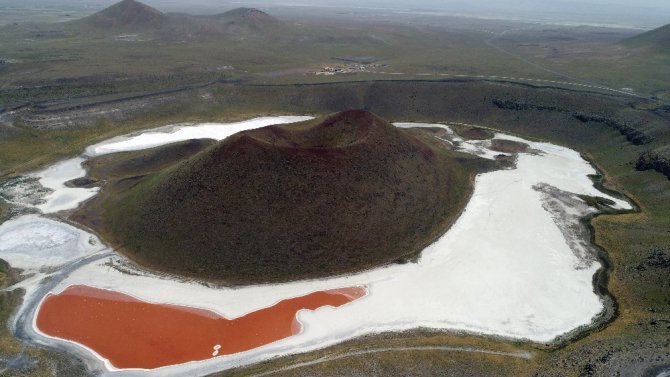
x=135, y=334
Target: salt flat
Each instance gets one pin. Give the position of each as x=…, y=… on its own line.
x=62, y=197
x=33, y=242
x=172, y=134
x=507, y=267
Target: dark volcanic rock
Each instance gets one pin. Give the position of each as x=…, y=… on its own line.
x=650, y=160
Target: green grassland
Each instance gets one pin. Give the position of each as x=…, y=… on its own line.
x=66, y=63
x=55, y=61
x=618, y=61
x=122, y=53
x=640, y=70
x=14, y=13
x=657, y=39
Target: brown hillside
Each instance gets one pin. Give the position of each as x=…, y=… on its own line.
x=329, y=196
x=134, y=17
x=247, y=17
x=127, y=15
x=657, y=39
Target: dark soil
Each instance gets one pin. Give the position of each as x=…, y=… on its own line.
x=508, y=146
x=472, y=133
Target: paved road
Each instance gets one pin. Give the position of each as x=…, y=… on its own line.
x=572, y=80
x=567, y=79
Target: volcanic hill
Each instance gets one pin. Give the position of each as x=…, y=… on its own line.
x=657, y=39
x=131, y=16
x=124, y=16
x=329, y=196
x=245, y=18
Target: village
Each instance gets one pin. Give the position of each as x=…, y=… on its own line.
x=338, y=69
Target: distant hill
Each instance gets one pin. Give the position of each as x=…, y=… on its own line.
x=657, y=39
x=130, y=16
x=246, y=18
x=125, y=16
x=329, y=196
x=239, y=22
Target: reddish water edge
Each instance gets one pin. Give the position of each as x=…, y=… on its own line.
x=135, y=334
